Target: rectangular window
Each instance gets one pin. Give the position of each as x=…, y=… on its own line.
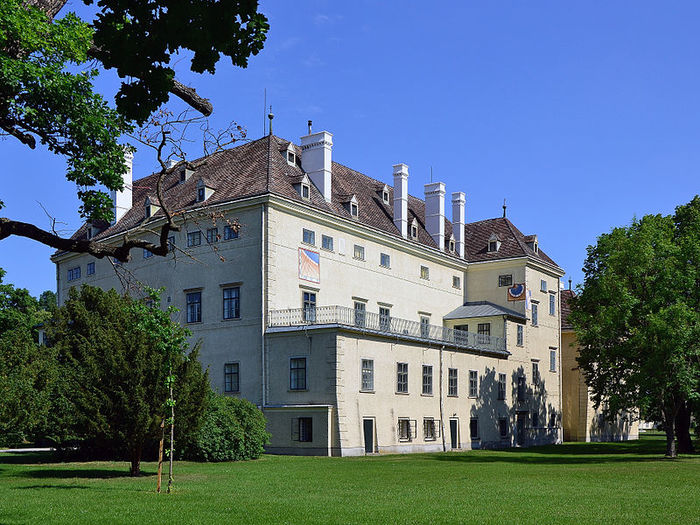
x=519, y=339
x=461, y=334
x=473, y=383
x=306, y=429
x=305, y=191
x=505, y=280
x=231, y=378
x=474, y=428
x=535, y=373
x=405, y=433
x=359, y=252
x=384, y=319
x=429, y=429
x=147, y=254
x=384, y=260
x=308, y=237
x=501, y=387
x=456, y=282
x=402, y=378
x=201, y=194
x=91, y=268
x=427, y=380
x=232, y=302
x=424, y=326
x=484, y=333
x=212, y=235
x=309, y=306
x=552, y=304
x=521, y=388
x=230, y=232
x=360, y=309
x=552, y=360
x=194, y=239
x=535, y=419
x=194, y=307
x=74, y=273
x=367, y=375
x=452, y=384
x=297, y=373
x=552, y=419
x=543, y=285
x=534, y=314
x=424, y=272
x=503, y=427
x=327, y=242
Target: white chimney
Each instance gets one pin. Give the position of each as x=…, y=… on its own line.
x=401, y=198
x=316, y=149
x=435, y=212
x=122, y=199
x=458, y=201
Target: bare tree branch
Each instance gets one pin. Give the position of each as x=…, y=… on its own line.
x=191, y=98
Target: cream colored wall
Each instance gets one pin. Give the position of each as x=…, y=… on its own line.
x=223, y=341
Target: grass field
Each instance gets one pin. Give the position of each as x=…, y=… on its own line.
x=573, y=483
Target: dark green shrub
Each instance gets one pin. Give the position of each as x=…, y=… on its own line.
x=233, y=429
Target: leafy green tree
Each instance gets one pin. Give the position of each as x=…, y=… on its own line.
x=117, y=377
x=637, y=317
x=47, y=70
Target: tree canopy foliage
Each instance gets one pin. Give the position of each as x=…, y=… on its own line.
x=637, y=316
x=48, y=67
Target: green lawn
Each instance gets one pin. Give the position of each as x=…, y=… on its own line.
x=575, y=483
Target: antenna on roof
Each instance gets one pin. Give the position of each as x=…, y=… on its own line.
x=308, y=123
x=264, y=108
x=504, y=208
x=569, y=283
x=270, y=116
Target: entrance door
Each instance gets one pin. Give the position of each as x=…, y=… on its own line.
x=521, y=429
x=368, y=428
x=454, y=438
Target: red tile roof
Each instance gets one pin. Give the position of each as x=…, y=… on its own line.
x=260, y=167
x=566, y=296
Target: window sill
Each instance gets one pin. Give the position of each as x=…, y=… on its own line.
x=327, y=250
x=230, y=319
x=453, y=395
x=358, y=259
x=195, y=322
x=401, y=393
x=427, y=395
x=367, y=392
x=308, y=244
x=404, y=440
x=429, y=439
x=232, y=393
x=298, y=390
x=385, y=267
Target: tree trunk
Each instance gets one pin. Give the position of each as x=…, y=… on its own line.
x=136, y=460
x=685, y=443
x=669, y=415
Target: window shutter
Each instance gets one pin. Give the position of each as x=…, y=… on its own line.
x=295, y=429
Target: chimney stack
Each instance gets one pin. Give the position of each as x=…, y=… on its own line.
x=435, y=212
x=401, y=198
x=458, y=202
x=121, y=200
x=316, y=149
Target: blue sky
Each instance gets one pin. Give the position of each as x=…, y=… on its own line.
x=582, y=115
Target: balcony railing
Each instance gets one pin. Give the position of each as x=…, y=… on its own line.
x=383, y=324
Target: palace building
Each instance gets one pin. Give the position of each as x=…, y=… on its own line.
x=361, y=319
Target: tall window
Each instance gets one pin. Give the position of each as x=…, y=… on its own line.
x=521, y=388
x=232, y=302
x=474, y=428
x=212, y=235
x=519, y=340
x=424, y=326
x=309, y=306
x=384, y=260
x=91, y=268
x=359, y=252
x=367, y=375
x=353, y=209
x=306, y=429
x=306, y=191
x=297, y=373
x=194, y=238
x=452, y=384
x=427, y=380
x=327, y=242
x=231, y=378
x=534, y=314
x=201, y=193
x=535, y=373
x=473, y=383
x=194, y=307
x=424, y=272
x=308, y=237
x=501, y=386
x=384, y=318
x=503, y=427
x=535, y=419
x=402, y=378
x=484, y=333
x=552, y=360
x=505, y=280
x=230, y=232
x=552, y=304
x=360, y=313
x=543, y=285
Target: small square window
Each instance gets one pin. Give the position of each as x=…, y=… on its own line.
x=91, y=268
x=212, y=235
x=424, y=272
x=230, y=232
x=505, y=280
x=359, y=252
x=384, y=260
x=327, y=243
x=194, y=239
x=456, y=282
x=309, y=237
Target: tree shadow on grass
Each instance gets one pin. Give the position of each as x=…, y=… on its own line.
x=29, y=458
x=83, y=473
x=62, y=487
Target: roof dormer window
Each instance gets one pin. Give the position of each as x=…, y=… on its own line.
x=385, y=196
x=352, y=206
x=185, y=174
x=451, y=245
x=414, y=229
x=204, y=191
x=305, y=191
x=494, y=243
x=531, y=241
x=290, y=155
x=150, y=208
x=354, y=210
